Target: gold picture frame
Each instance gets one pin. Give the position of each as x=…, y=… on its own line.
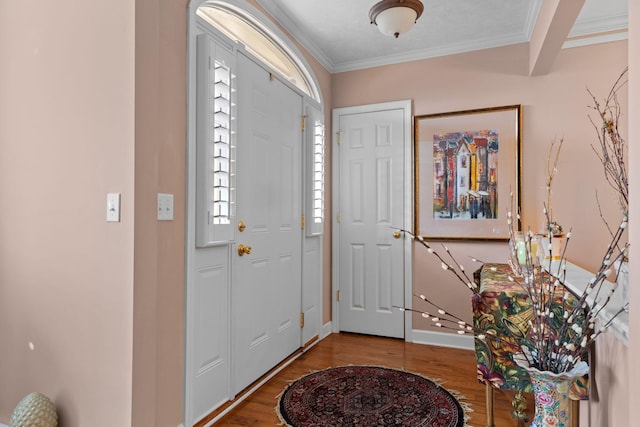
x=467, y=167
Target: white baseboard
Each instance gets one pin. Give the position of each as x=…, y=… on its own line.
x=326, y=330
x=420, y=336
x=464, y=342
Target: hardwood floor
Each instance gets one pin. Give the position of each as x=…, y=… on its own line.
x=456, y=369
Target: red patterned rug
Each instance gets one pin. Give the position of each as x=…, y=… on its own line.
x=368, y=396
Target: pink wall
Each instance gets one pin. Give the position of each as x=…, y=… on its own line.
x=554, y=106
x=634, y=206
x=158, y=328
x=87, y=108
x=66, y=140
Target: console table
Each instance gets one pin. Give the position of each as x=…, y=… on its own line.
x=500, y=308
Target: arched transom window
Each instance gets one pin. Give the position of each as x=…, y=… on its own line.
x=260, y=41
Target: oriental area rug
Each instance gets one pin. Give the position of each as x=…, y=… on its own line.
x=368, y=396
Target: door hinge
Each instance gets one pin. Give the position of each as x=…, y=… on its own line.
x=302, y=221
x=304, y=123
x=338, y=295
x=301, y=320
x=272, y=77
x=338, y=218
x=338, y=136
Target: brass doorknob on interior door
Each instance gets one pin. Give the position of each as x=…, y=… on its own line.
x=397, y=234
x=242, y=249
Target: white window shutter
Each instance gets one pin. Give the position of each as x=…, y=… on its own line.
x=215, y=142
x=315, y=170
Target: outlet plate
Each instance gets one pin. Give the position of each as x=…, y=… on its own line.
x=165, y=207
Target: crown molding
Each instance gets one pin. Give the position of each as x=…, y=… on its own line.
x=599, y=26
x=587, y=41
x=289, y=25
x=417, y=55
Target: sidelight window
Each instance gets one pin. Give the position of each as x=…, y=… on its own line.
x=315, y=138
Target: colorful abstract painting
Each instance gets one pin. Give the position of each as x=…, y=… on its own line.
x=465, y=171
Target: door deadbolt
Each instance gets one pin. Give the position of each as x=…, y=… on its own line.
x=242, y=249
x=241, y=226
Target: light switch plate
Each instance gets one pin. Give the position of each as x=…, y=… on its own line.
x=165, y=207
x=113, y=207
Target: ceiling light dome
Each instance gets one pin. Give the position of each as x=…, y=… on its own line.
x=395, y=17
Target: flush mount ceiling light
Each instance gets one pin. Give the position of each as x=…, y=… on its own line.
x=394, y=17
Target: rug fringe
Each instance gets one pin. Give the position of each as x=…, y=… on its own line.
x=461, y=398
x=280, y=417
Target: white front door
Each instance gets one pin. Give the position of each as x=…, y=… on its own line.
x=266, y=282
x=372, y=170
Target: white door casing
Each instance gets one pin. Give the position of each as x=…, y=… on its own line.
x=266, y=283
x=372, y=196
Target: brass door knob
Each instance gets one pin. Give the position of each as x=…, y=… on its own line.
x=241, y=226
x=397, y=234
x=242, y=249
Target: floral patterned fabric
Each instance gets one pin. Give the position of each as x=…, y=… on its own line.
x=502, y=309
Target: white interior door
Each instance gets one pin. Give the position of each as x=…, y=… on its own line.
x=371, y=186
x=266, y=283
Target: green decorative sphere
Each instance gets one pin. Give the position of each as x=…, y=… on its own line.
x=34, y=410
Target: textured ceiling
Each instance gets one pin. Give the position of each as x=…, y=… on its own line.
x=339, y=35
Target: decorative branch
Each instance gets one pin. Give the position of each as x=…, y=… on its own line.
x=443, y=319
x=552, y=169
x=612, y=147
x=456, y=268
x=560, y=349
